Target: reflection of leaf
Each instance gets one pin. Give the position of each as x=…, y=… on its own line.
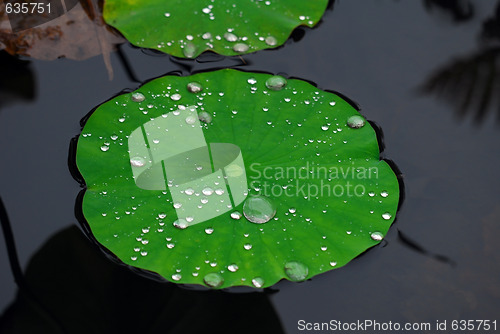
x=295, y=127
x=459, y=10
x=73, y=35
x=17, y=80
x=469, y=84
x=89, y=294
x=186, y=28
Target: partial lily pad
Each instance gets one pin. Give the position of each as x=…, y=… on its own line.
x=186, y=28
x=231, y=178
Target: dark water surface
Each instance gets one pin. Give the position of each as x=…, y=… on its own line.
x=391, y=57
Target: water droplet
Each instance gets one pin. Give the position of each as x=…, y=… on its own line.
x=236, y=215
x=191, y=120
x=176, y=277
x=167, y=14
x=333, y=263
x=207, y=191
x=205, y=117
x=271, y=40
x=162, y=215
x=177, y=205
x=240, y=47
x=325, y=127
x=204, y=200
x=384, y=193
x=209, y=230
x=276, y=82
x=230, y=37
x=371, y=194
x=194, y=87
x=296, y=271
x=386, y=216
x=206, y=35
x=189, y=191
x=324, y=248
x=292, y=210
x=170, y=245
x=377, y=236
x=232, y=268
x=137, y=97
x=258, y=282
x=213, y=280
x=247, y=246
x=258, y=209
x=189, y=50
x=181, y=224
x=137, y=162
x=356, y=122
x=104, y=148
x=252, y=81
x=219, y=191
x=176, y=97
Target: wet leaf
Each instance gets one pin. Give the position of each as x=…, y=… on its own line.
x=231, y=178
x=188, y=28
x=74, y=35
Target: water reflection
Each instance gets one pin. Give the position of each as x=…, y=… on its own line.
x=90, y=294
x=458, y=10
x=470, y=83
x=17, y=81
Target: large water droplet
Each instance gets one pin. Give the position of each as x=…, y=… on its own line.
x=189, y=50
x=137, y=162
x=213, y=280
x=104, y=148
x=356, y=122
x=176, y=277
x=271, y=40
x=386, y=216
x=377, y=236
x=258, y=282
x=176, y=97
x=230, y=37
x=276, y=82
x=137, y=97
x=194, y=87
x=207, y=191
x=247, y=246
x=209, y=230
x=232, y=268
x=205, y=117
x=296, y=271
x=181, y=224
x=240, y=47
x=259, y=209
x=236, y=215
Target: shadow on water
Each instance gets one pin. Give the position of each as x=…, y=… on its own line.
x=17, y=81
x=470, y=83
x=458, y=10
x=89, y=294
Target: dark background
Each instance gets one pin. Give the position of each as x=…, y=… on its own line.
x=441, y=260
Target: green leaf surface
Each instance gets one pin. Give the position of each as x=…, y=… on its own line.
x=221, y=180
x=186, y=28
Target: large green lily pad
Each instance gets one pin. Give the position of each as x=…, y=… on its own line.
x=231, y=178
x=186, y=28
